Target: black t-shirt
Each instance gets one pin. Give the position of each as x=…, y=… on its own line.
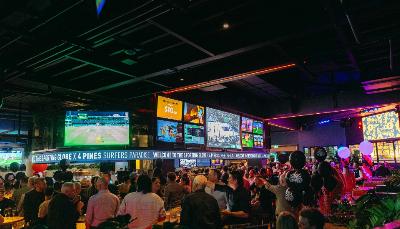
x=6, y=203
x=238, y=200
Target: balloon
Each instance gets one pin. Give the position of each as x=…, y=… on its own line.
x=39, y=167
x=320, y=154
x=366, y=148
x=297, y=160
x=344, y=152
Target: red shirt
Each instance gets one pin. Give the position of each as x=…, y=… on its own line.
x=246, y=184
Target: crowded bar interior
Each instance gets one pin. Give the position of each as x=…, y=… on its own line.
x=193, y=114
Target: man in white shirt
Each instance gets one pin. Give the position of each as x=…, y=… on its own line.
x=102, y=206
x=145, y=207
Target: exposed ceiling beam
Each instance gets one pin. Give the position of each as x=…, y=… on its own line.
x=182, y=38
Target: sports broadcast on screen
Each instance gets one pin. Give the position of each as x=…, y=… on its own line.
x=258, y=127
x=247, y=124
x=258, y=141
x=223, y=129
x=96, y=128
x=247, y=140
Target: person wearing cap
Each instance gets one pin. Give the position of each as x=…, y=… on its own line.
x=4, y=202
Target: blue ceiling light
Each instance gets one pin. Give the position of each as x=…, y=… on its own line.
x=324, y=122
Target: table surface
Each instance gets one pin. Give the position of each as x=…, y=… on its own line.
x=11, y=220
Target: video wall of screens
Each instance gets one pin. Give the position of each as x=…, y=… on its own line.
x=192, y=124
x=381, y=126
x=252, y=133
x=194, y=134
x=169, y=131
x=222, y=129
x=95, y=128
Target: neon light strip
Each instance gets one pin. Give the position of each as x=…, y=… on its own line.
x=231, y=78
x=279, y=126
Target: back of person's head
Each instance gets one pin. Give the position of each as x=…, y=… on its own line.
x=286, y=220
x=24, y=179
x=144, y=184
x=8, y=187
x=125, y=179
x=171, y=176
x=217, y=173
x=225, y=168
x=68, y=189
x=185, y=179
x=199, y=183
x=49, y=192
x=77, y=187
x=237, y=175
x=31, y=182
x=49, y=181
x=102, y=183
x=311, y=218
x=94, y=180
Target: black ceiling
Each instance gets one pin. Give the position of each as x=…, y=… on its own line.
x=63, y=53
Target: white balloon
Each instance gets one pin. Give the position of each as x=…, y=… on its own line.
x=344, y=152
x=366, y=148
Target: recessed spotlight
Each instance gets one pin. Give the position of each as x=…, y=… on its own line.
x=225, y=25
x=182, y=79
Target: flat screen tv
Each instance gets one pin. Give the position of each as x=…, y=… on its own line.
x=217, y=162
x=381, y=126
x=247, y=140
x=193, y=113
x=8, y=156
x=96, y=128
x=258, y=141
x=203, y=162
x=247, y=124
x=223, y=129
x=187, y=163
x=169, y=108
x=169, y=131
x=258, y=127
x=194, y=134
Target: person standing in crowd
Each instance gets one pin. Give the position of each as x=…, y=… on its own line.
x=238, y=200
x=156, y=186
x=280, y=190
x=185, y=183
x=286, y=220
x=358, y=174
x=112, y=187
x=264, y=197
x=144, y=206
x=133, y=178
x=44, y=207
x=33, y=199
x=24, y=188
x=124, y=187
x=62, y=213
x=5, y=203
x=214, y=177
x=91, y=191
x=311, y=218
x=225, y=174
x=173, y=192
x=246, y=183
x=199, y=209
x=102, y=206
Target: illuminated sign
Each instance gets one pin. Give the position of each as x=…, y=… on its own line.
x=169, y=108
x=124, y=155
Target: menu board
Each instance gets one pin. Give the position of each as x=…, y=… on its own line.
x=169, y=108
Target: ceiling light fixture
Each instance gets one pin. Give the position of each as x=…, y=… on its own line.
x=225, y=25
x=231, y=78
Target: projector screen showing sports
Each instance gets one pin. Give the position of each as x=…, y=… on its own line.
x=381, y=126
x=258, y=141
x=168, y=131
x=223, y=129
x=247, y=124
x=194, y=134
x=258, y=127
x=84, y=128
x=193, y=114
x=247, y=140
x=169, y=108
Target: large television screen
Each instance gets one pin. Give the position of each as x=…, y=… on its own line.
x=194, y=134
x=381, y=126
x=223, y=129
x=247, y=140
x=258, y=127
x=203, y=162
x=168, y=131
x=258, y=141
x=169, y=108
x=83, y=128
x=187, y=163
x=8, y=156
x=193, y=114
x=247, y=124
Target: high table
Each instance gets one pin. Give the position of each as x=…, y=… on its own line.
x=16, y=222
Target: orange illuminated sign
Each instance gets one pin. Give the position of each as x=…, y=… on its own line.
x=169, y=108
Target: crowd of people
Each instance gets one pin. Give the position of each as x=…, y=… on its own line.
x=292, y=194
